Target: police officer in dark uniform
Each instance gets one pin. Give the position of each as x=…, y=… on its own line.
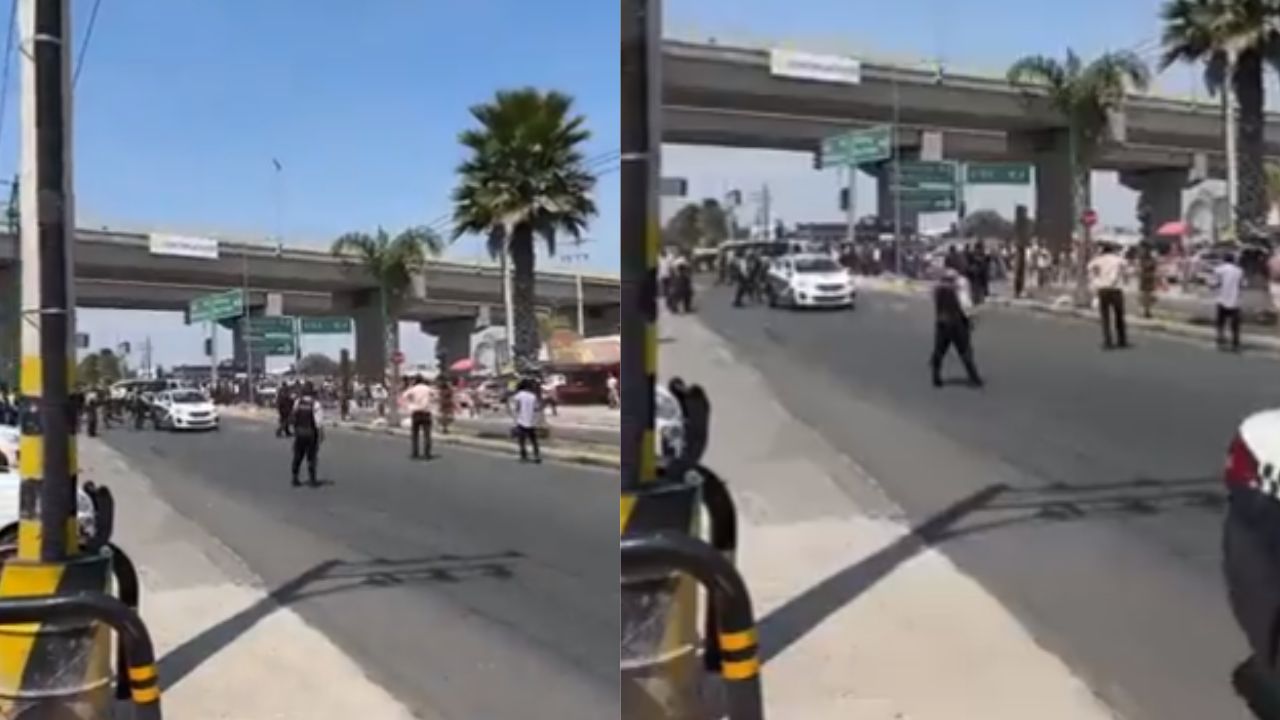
x=284, y=410
x=306, y=419
x=952, y=326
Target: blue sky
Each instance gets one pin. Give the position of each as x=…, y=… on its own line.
x=182, y=104
x=982, y=36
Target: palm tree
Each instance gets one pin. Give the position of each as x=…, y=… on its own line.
x=1234, y=39
x=525, y=178
x=1084, y=96
x=392, y=262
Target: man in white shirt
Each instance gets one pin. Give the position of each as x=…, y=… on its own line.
x=1227, y=279
x=524, y=410
x=418, y=401
x=1107, y=274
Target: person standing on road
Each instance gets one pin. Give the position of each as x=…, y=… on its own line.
x=91, y=406
x=307, y=420
x=1227, y=278
x=524, y=410
x=1147, y=278
x=284, y=410
x=1273, y=277
x=1107, y=276
x=444, y=397
x=611, y=386
x=417, y=400
x=953, y=326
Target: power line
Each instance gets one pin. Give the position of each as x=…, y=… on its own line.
x=84, y=44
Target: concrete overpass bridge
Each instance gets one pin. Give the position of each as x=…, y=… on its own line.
x=117, y=270
x=714, y=94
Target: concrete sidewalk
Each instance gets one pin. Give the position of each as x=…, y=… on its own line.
x=226, y=650
x=857, y=618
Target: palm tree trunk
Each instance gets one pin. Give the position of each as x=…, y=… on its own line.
x=523, y=297
x=1251, y=213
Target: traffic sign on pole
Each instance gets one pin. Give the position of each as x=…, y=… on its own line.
x=926, y=186
x=324, y=325
x=857, y=147
x=397, y=357
x=271, y=335
x=997, y=174
x=218, y=306
x=1089, y=218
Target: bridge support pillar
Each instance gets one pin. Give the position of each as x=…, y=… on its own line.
x=1055, y=216
x=1160, y=190
x=371, y=337
x=453, y=337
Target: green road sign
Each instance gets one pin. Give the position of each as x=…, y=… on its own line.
x=997, y=174
x=858, y=147
x=325, y=325
x=272, y=335
x=928, y=201
x=927, y=186
x=216, y=307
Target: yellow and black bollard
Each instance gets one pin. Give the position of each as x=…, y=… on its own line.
x=55, y=613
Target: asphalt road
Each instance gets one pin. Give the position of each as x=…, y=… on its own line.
x=470, y=586
x=1104, y=540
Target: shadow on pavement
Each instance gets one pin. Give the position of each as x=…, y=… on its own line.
x=991, y=508
x=328, y=578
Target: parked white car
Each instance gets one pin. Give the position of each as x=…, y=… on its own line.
x=11, y=482
x=809, y=280
x=185, y=410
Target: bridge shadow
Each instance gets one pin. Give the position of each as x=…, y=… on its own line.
x=329, y=578
x=991, y=508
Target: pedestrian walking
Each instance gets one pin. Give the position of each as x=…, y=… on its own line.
x=953, y=326
x=284, y=410
x=91, y=407
x=1147, y=279
x=742, y=277
x=418, y=400
x=524, y=411
x=611, y=386
x=1107, y=274
x=445, y=401
x=1226, y=281
x=307, y=420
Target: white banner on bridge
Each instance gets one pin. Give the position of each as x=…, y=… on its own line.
x=807, y=66
x=184, y=246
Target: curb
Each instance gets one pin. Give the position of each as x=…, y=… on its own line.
x=583, y=456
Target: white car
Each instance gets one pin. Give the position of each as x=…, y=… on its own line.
x=809, y=280
x=11, y=483
x=185, y=410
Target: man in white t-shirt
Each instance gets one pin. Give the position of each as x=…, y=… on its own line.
x=1107, y=274
x=524, y=410
x=1227, y=279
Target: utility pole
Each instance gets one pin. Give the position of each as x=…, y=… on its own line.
x=48, y=668
x=851, y=203
x=246, y=329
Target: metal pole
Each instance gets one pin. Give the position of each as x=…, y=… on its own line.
x=213, y=358
x=246, y=331
x=851, y=211
x=897, y=182
x=48, y=307
x=639, y=242
x=582, y=315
